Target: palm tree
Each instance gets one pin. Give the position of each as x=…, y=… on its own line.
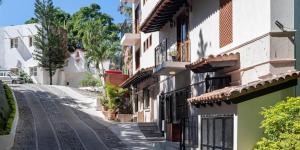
x=101, y=42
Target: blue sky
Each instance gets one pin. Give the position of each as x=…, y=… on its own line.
x=14, y=12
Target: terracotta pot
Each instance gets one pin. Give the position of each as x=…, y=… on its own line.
x=111, y=114
x=104, y=108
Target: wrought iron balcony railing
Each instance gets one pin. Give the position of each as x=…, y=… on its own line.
x=181, y=53
x=161, y=52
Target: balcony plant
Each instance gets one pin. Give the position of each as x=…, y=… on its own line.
x=173, y=53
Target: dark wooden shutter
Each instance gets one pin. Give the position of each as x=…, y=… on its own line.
x=225, y=22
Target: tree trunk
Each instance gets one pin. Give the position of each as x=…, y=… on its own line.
x=103, y=73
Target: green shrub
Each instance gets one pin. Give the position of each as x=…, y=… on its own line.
x=115, y=95
x=90, y=81
x=281, y=126
x=25, y=77
x=7, y=123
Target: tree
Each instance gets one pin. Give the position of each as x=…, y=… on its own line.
x=50, y=39
x=76, y=24
x=31, y=20
x=101, y=42
x=281, y=126
x=60, y=17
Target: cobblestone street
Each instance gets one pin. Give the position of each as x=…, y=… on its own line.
x=50, y=121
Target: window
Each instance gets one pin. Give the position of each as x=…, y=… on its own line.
x=30, y=41
x=169, y=108
x=33, y=71
x=147, y=43
x=225, y=22
x=137, y=19
x=217, y=133
x=183, y=42
x=146, y=98
x=14, y=43
x=181, y=104
x=136, y=103
x=137, y=59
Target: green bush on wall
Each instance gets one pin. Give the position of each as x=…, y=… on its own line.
x=281, y=126
x=7, y=122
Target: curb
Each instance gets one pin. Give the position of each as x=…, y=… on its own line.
x=7, y=141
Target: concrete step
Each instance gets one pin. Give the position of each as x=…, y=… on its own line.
x=151, y=131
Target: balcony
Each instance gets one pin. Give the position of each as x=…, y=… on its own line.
x=171, y=62
x=130, y=39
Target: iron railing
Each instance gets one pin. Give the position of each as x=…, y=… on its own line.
x=215, y=83
x=189, y=133
x=161, y=52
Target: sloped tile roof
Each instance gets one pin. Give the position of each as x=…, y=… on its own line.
x=213, y=59
x=232, y=92
x=138, y=76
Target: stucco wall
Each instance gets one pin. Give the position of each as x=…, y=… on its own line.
x=22, y=55
x=297, y=39
x=148, y=56
x=1, y=49
x=249, y=117
x=282, y=11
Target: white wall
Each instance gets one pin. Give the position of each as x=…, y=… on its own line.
x=147, y=8
x=282, y=11
x=22, y=56
x=1, y=48
x=297, y=40
x=76, y=64
x=148, y=56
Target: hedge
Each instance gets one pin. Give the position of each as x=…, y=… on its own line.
x=12, y=105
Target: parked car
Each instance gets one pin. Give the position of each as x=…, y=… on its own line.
x=9, y=77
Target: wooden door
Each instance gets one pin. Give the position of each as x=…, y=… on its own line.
x=183, y=42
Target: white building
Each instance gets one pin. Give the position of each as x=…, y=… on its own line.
x=16, y=53
x=210, y=60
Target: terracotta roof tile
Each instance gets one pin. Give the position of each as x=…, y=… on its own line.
x=231, y=92
x=213, y=58
x=141, y=73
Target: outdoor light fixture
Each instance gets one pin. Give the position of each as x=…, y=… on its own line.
x=279, y=25
x=172, y=72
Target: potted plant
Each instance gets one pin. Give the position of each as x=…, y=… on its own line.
x=173, y=54
x=104, y=103
x=115, y=95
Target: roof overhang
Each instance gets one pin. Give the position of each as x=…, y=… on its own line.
x=214, y=63
x=245, y=92
x=138, y=77
x=130, y=39
x=169, y=68
x=161, y=14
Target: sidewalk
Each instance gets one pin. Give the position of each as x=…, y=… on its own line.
x=128, y=133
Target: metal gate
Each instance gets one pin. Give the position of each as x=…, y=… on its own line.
x=189, y=133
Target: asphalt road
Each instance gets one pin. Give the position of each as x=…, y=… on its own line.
x=49, y=120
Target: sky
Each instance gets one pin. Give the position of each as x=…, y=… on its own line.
x=15, y=12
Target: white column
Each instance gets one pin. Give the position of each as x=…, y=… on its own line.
x=235, y=131
x=199, y=132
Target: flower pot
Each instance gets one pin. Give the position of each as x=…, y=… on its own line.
x=111, y=114
x=104, y=108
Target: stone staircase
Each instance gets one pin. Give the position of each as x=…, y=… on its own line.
x=151, y=131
